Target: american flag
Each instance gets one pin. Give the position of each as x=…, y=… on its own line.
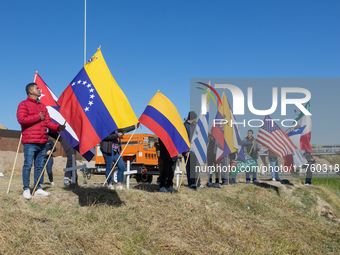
x=272, y=136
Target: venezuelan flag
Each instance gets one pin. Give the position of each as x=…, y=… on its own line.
x=162, y=118
x=94, y=105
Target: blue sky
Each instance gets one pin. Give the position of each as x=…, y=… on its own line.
x=159, y=45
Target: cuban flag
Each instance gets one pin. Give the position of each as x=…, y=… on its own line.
x=49, y=99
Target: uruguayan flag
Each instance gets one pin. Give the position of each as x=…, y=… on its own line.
x=199, y=142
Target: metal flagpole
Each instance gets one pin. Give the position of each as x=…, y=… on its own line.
x=85, y=35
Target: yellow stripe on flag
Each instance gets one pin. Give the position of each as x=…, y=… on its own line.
x=166, y=107
x=109, y=91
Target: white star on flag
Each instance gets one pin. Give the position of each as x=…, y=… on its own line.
x=86, y=109
x=89, y=85
x=79, y=82
x=92, y=96
x=84, y=82
x=91, y=103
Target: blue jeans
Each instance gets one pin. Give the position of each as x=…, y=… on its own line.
x=274, y=167
x=109, y=159
x=251, y=170
x=33, y=152
x=48, y=169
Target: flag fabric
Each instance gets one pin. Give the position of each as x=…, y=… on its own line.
x=289, y=163
x=272, y=136
x=163, y=119
x=49, y=99
x=94, y=105
x=305, y=121
x=223, y=131
x=295, y=136
x=199, y=143
x=241, y=166
x=237, y=137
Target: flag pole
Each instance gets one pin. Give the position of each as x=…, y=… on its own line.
x=15, y=161
x=16, y=156
x=199, y=172
x=229, y=169
x=85, y=35
x=186, y=162
x=49, y=156
x=120, y=155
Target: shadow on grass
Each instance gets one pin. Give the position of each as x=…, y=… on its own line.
x=267, y=186
x=89, y=196
x=147, y=187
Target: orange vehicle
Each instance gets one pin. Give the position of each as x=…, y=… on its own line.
x=140, y=151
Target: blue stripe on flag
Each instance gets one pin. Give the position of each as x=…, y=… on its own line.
x=200, y=150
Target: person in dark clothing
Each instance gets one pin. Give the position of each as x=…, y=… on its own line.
x=251, y=147
x=49, y=147
x=111, y=149
x=160, y=162
x=211, y=161
x=309, y=173
x=166, y=183
x=190, y=125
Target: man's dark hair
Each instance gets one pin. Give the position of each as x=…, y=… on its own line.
x=251, y=131
x=29, y=86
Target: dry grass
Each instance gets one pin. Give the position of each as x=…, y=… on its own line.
x=94, y=220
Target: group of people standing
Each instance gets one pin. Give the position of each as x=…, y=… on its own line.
x=250, y=147
x=34, y=120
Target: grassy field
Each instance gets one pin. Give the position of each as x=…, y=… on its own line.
x=237, y=219
x=332, y=183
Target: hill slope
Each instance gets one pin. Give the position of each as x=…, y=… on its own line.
x=238, y=219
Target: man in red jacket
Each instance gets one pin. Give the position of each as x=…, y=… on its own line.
x=34, y=120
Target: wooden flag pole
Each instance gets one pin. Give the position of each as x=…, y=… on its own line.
x=228, y=169
x=120, y=155
x=199, y=172
x=186, y=162
x=15, y=161
x=49, y=156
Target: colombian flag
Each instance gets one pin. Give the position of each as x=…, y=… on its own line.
x=94, y=105
x=162, y=118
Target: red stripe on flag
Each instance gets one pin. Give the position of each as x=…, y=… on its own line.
x=305, y=142
x=73, y=113
x=289, y=162
x=280, y=142
x=269, y=144
x=217, y=133
x=160, y=132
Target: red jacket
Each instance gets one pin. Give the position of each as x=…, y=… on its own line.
x=34, y=130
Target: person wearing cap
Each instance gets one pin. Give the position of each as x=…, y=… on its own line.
x=190, y=125
x=34, y=120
